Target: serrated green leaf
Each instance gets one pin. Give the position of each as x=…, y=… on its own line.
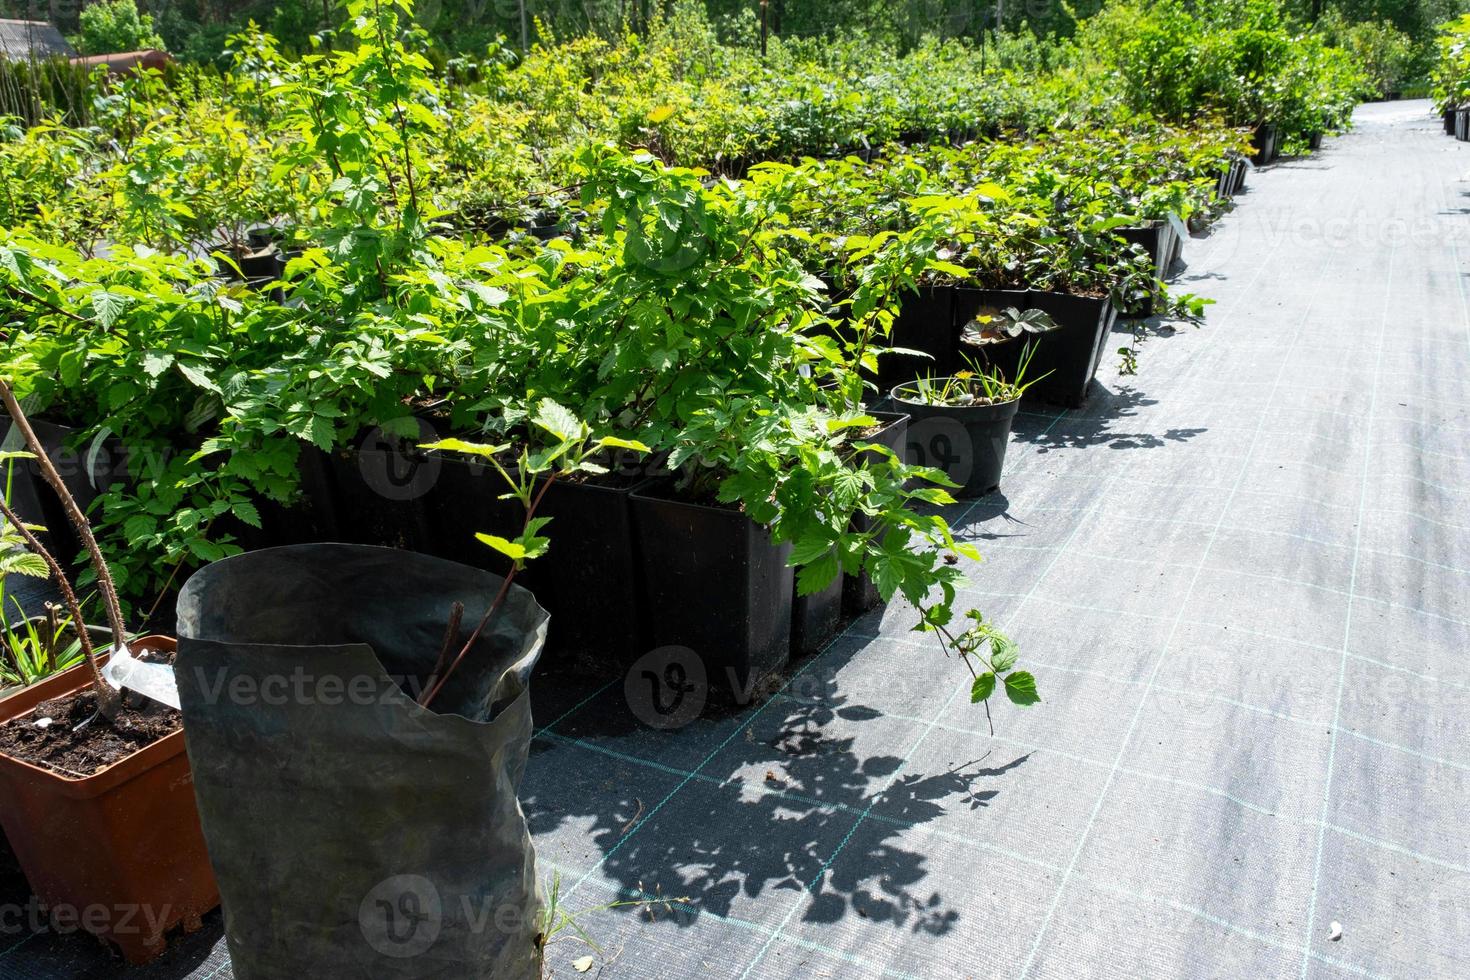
x=468, y=448
x=557, y=420
x=108, y=307
x=513, y=550
x=983, y=687
x=1021, y=688
x=1003, y=653
x=197, y=377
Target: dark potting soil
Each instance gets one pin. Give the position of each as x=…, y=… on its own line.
x=60, y=748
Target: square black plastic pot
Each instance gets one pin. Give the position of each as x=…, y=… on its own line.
x=1157, y=239
x=588, y=580
x=716, y=585
x=859, y=594
x=925, y=322
x=1264, y=142
x=814, y=618
x=1462, y=125
x=1066, y=359
x=382, y=488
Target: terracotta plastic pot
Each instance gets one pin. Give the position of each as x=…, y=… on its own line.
x=119, y=852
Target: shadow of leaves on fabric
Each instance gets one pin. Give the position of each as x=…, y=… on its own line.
x=794, y=801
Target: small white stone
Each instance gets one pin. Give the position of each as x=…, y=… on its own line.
x=45, y=722
x=1335, y=933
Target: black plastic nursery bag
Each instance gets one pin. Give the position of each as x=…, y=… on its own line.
x=354, y=833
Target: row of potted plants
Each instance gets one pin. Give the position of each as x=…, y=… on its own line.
x=667, y=424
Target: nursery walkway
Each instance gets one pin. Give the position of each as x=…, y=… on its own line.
x=1242, y=578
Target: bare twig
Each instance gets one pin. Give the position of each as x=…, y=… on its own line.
x=73, y=513
x=108, y=699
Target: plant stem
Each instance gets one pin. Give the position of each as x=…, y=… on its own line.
x=73, y=513
x=505, y=584
x=108, y=699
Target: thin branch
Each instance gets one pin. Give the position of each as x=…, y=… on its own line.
x=108, y=699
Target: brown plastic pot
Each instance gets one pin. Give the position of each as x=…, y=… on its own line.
x=120, y=853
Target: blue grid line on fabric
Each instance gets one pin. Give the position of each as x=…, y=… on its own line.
x=1244, y=630
x=1405, y=670
x=17, y=945
x=1358, y=596
x=1190, y=784
x=908, y=756
x=706, y=761
x=1023, y=744
x=1226, y=924
x=621, y=893
x=1405, y=750
x=1168, y=642
x=1422, y=517
x=1131, y=682
x=575, y=708
x=1367, y=470
x=824, y=805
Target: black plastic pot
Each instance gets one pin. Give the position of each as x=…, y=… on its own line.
x=1158, y=239
x=1065, y=359
x=254, y=265
x=588, y=580
x=859, y=594
x=353, y=832
x=382, y=488
x=814, y=618
x=925, y=322
x=86, y=471
x=1448, y=117
x=716, y=585
x=1462, y=125
x=968, y=442
x=1264, y=142
x=1314, y=142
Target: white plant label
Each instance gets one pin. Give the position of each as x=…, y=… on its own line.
x=1180, y=228
x=155, y=681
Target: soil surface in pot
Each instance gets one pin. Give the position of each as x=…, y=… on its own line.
x=60, y=748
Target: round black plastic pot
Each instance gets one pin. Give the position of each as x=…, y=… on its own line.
x=967, y=442
x=1065, y=359
x=859, y=594
x=1462, y=125
x=715, y=585
x=1448, y=118
x=1314, y=142
x=353, y=832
